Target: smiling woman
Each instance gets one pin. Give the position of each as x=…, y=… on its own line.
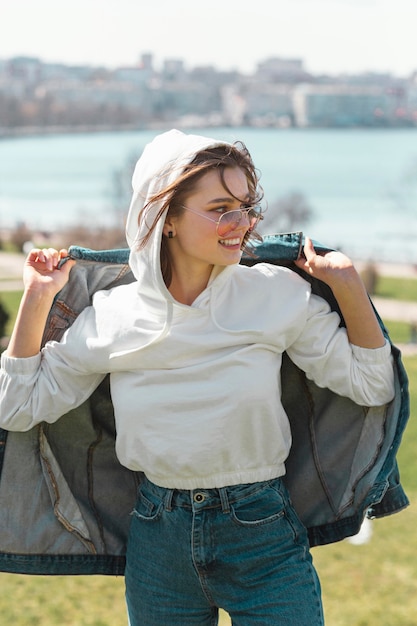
x=194, y=345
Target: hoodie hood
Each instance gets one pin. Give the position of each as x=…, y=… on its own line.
x=150, y=315
x=162, y=162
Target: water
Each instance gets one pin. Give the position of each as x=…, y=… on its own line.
x=361, y=184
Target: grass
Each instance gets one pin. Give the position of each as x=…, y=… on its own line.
x=398, y=331
x=396, y=287
x=10, y=300
x=368, y=585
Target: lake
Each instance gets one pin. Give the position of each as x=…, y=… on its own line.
x=361, y=184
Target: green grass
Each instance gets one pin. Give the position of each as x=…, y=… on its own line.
x=62, y=600
x=398, y=331
x=396, y=287
x=10, y=300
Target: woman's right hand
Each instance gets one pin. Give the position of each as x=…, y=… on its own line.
x=43, y=278
x=43, y=271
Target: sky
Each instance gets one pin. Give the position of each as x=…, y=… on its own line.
x=330, y=36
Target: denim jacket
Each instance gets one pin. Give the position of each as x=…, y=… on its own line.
x=65, y=500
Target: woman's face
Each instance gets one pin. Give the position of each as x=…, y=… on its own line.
x=196, y=242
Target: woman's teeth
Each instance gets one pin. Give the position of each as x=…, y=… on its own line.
x=230, y=242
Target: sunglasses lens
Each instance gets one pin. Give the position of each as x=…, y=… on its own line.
x=228, y=222
x=254, y=220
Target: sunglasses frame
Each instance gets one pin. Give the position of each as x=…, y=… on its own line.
x=258, y=216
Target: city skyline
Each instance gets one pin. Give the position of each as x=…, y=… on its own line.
x=330, y=36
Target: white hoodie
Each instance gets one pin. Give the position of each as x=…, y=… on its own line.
x=196, y=389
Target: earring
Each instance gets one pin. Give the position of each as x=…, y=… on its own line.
x=170, y=234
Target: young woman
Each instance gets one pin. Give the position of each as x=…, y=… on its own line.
x=194, y=349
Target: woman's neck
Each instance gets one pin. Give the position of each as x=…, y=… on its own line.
x=186, y=286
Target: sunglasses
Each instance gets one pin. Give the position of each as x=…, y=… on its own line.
x=229, y=221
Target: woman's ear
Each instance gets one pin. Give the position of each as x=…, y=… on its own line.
x=169, y=229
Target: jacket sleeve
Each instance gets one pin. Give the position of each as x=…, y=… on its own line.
x=323, y=351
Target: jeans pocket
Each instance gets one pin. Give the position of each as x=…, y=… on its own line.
x=148, y=507
x=263, y=507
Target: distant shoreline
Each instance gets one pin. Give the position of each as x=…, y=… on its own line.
x=39, y=131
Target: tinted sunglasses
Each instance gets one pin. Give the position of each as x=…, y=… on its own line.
x=229, y=221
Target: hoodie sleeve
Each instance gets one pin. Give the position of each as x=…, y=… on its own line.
x=323, y=351
x=46, y=386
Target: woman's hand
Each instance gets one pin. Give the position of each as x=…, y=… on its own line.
x=333, y=268
x=43, y=278
x=43, y=272
x=338, y=272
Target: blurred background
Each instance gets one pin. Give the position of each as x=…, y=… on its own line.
x=323, y=92
x=324, y=95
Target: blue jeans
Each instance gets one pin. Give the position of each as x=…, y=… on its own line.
x=240, y=548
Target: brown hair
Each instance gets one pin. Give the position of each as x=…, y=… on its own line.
x=219, y=158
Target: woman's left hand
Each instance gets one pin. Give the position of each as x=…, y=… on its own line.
x=338, y=272
x=332, y=267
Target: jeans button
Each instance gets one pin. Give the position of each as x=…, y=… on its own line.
x=199, y=497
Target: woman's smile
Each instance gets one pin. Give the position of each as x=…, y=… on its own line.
x=236, y=241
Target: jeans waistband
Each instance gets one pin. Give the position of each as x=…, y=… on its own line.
x=221, y=497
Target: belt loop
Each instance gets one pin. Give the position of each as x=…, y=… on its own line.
x=168, y=499
x=224, y=500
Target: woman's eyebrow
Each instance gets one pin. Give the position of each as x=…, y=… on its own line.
x=229, y=199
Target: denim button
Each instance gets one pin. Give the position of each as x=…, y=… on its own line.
x=199, y=497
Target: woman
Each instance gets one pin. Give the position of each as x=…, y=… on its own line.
x=194, y=348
